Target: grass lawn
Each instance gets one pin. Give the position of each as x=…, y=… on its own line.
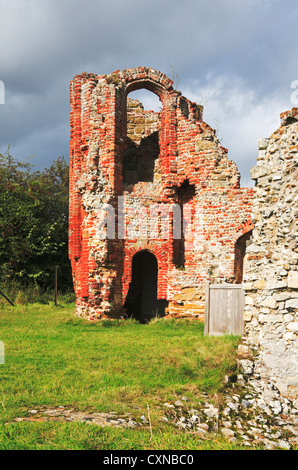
x=53, y=358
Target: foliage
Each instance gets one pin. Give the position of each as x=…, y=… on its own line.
x=33, y=222
x=19, y=294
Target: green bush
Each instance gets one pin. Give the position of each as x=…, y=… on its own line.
x=34, y=224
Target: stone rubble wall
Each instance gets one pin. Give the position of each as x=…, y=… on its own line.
x=271, y=262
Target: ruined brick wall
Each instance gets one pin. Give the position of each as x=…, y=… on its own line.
x=137, y=169
x=271, y=264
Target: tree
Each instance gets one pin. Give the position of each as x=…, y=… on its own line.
x=34, y=222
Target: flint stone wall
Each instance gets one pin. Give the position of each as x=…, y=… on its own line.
x=271, y=262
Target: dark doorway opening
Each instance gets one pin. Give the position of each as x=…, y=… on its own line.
x=185, y=193
x=141, y=301
x=240, y=249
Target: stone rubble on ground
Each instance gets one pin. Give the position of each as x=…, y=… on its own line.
x=62, y=413
x=250, y=412
x=254, y=415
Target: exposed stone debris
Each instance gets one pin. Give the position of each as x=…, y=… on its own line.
x=63, y=413
x=250, y=411
x=242, y=417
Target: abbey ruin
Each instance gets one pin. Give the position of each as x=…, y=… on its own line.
x=157, y=210
x=271, y=261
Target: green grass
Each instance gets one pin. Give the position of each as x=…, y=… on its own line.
x=81, y=436
x=53, y=358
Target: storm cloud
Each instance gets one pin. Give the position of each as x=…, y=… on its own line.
x=237, y=58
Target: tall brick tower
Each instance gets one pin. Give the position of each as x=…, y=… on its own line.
x=156, y=207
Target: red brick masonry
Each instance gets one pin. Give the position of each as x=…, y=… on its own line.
x=124, y=157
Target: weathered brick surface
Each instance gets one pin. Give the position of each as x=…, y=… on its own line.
x=159, y=161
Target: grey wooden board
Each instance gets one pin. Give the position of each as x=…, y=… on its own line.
x=224, y=309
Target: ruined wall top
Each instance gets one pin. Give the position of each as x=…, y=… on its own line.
x=154, y=79
x=289, y=117
x=132, y=79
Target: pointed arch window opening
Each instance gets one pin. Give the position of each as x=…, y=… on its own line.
x=140, y=160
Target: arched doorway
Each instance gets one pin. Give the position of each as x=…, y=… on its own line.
x=141, y=301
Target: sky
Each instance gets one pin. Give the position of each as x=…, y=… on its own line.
x=238, y=58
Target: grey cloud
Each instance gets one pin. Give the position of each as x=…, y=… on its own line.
x=45, y=43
